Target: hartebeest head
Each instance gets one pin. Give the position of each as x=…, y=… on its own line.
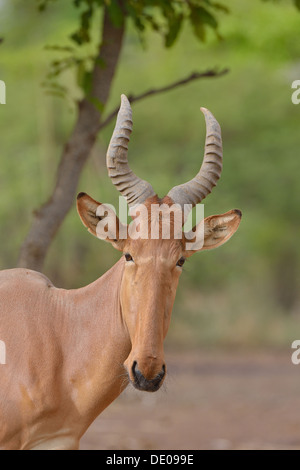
x=152, y=265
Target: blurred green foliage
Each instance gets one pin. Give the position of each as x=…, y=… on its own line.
x=244, y=293
x=162, y=16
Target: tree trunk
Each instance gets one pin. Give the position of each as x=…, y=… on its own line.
x=50, y=216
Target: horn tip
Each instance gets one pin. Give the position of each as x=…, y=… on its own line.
x=124, y=97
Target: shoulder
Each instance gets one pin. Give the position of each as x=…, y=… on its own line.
x=24, y=275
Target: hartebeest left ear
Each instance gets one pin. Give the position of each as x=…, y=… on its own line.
x=212, y=232
x=101, y=220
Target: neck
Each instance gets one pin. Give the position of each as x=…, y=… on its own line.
x=100, y=345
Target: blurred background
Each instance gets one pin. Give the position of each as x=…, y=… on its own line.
x=242, y=298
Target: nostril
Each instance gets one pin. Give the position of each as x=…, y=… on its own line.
x=137, y=375
x=162, y=373
x=133, y=368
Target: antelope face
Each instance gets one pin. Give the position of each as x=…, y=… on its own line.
x=148, y=290
x=152, y=268
x=153, y=264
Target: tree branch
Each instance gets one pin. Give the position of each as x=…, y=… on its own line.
x=155, y=91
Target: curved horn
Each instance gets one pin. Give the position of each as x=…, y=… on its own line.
x=195, y=190
x=134, y=189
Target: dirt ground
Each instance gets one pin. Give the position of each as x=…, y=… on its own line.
x=210, y=400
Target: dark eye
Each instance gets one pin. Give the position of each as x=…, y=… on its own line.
x=180, y=262
x=128, y=257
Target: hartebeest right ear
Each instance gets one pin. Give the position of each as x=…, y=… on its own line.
x=101, y=220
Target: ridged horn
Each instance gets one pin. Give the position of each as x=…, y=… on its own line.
x=134, y=189
x=195, y=190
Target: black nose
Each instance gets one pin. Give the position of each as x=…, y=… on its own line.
x=141, y=383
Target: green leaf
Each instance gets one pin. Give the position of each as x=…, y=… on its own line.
x=152, y=22
x=221, y=7
x=297, y=4
x=115, y=13
x=135, y=14
x=87, y=83
x=54, y=86
x=197, y=25
x=54, y=47
x=82, y=35
x=98, y=105
x=76, y=37
x=207, y=17
x=199, y=17
x=174, y=28
x=55, y=93
x=80, y=72
x=43, y=4
x=199, y=31
x=77, y=3
x=55, y=89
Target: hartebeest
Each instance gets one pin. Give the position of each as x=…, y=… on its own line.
x=70, y=353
